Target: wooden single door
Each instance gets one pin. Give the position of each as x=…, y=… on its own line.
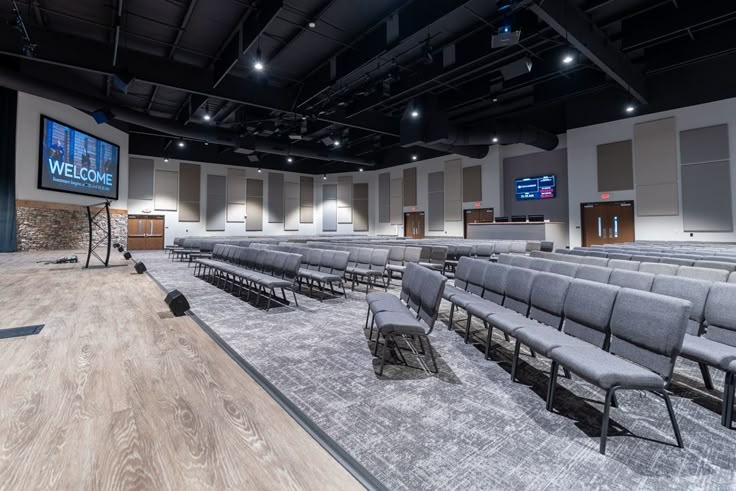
x=414, y=225
x=145, y=232
x=607, y=223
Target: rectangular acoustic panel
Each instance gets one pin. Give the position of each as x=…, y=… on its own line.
x=397, y=209
x=704, y=144
x=344, y=199
x=236, y=195
x=189, y=186
x=291, y=206
x=329, y=208
x=254, y=205
x=472, y=183
x=615, y=166
x=166, y=190
x=655, y=168
x=410, y=186
x=706, y=197
x=216, y=202
x=360, y=207
x=453, y=190
x=275, y=197
x=384, y=198
x=140, y=178
x=306, y=199
x=436, y=201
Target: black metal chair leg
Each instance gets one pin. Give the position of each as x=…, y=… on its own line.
x=467, y=328
x=506, y=337
x=370, y=333
x=488, y=340
x=707, y=380
x=383, y=355
x=673, y=419
x=367, y=315
x=378, y=338
x=552, y=386
x=604, y=422
x=431, y=354
x=296, y=303
x=452, y=311
x=515, y=360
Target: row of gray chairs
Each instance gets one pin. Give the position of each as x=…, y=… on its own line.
x=258, y=270
x=702, y=273
x=615, y=338
x=697, y=260
x=706, y=341
x=411, y=315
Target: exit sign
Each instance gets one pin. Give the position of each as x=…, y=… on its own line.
x=605, y=196
x=477, y=203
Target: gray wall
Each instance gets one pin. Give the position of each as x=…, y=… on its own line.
x=537, y=164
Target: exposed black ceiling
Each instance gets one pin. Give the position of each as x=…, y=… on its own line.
x=348, y=69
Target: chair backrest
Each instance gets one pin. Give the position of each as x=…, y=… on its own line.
x=407, y=280
x=364, y=258
x=462, y=271
x=326, y=260
x=594, y=260
x=432, y=287
x=564, y=268
x=483, y=251
x=562, y=251
x=732, y=278
x=643, y=258
x=396, y=255
x=521, y=261
x=658, y=268
x=536, y=254
x=707, y=274
x=588, y=308
x=619, y=256
x=505, y=258
x=494, y=282
x=314, y=257
x=438, y=255
x=593, y=273
x=353, y=256
x=379, y=259
x=540, y=264
x=518, y=247
x=676, y=260
x=412, y=254
x=623, y=264
x=340, y=262
x=548, y=298
x=546, y=245
x=474, y=283
x=694, y=291
x=730, y=267
x=518, y=291
x=291, y=267
x=631, y=279
x=279, y=263
x=599, y=254
x=502, y=247
x=719, y=314
x=648, y=329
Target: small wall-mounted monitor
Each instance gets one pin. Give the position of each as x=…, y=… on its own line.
x=536, y=218
x=518, y=218
x=73, y=161
x=540, y=187
x=501, y=219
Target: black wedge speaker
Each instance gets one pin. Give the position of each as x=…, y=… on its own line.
x=177, y=302
x=140, y=268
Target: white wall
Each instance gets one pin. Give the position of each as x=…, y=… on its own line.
x=27, y=137
x=583, y=178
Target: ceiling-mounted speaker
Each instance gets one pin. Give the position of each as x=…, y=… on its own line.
x=516, y=68
x=140, y=268
x=328, y=141
x=177, y=302
x=253, y=158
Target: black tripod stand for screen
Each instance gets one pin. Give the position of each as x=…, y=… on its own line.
x=105, y=237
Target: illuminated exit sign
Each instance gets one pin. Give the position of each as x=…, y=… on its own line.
x=477, y=203
x=605, y=196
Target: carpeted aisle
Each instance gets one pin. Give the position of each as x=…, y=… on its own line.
x=469, y=427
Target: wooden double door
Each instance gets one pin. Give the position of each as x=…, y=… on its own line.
x=476, y=215
x=145, y=232
x=414, y=225
x=607, y=223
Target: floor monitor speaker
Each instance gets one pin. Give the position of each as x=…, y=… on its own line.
x=140, y=268
x=127, y=255
x=177, y=302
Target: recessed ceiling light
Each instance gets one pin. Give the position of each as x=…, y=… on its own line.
x=567, y=59
x=495, y=139
x=289, y=159
x=415, y=114
x=337, y=143
x=414, y=157
x=312, y=25
x=206, y=143
x=206, y=117
x=166, y=159
x=630, y=108
x=258, y=65
x=495, y=99
x=181, y=144
x=360, y=170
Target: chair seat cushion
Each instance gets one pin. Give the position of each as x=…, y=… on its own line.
x=436, y=267
x=451, y=290
x=362, y=271
x=483, y=309
x=398, y=322
x=396, y=267
x=272, y=282
x=376, y=296
x=464, y=299
x=704, y=350
x=392, y=305
x=603, y=369
x=510, y=322
x=543, y=339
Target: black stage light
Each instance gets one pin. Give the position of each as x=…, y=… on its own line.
x=177, y=302
x=127, y=255
x=102, y=116
x=516, y=68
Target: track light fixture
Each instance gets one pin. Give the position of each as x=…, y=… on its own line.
x=337, y=143
x=258, y=63
x=206, y=117
x=568, y=58
x=415, y=113
x=312, y=25
x=166, y=159
x=414, y=157
x=259, y=170
x=289, y=159
x=324, y=177
x=360, y=170
x=495, y=139
x=630, y=108
x=181, y=144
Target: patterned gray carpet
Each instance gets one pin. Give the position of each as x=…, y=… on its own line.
x=469, y=427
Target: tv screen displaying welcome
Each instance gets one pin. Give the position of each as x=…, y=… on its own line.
x=72, y=161
x=540, y=187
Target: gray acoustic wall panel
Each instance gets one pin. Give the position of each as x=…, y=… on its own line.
x=436, y=201
x=140, y=178
x=453, y=190
x=615, y=166
x=397, y=208
x=531, y=165
x=254, y=205
x=360, y=207
x=655, y=168
x=472, y=183
x=236, y=195
x=384, y=198
x=275, y=197
x=704, y=144
x=216, y=203
x=345, y=199
x=291, y=206
x=329, y=208
x=706, y=197
x=189, y=194
x=410, y=186
x=166, y=190
x=306, y=199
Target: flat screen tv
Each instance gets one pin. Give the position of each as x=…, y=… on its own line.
x=72, y=161
x=540, y=187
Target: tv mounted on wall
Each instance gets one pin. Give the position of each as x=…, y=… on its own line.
x=540, y=187
x=72, y=161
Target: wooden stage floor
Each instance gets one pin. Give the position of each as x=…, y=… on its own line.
x=115, y=393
